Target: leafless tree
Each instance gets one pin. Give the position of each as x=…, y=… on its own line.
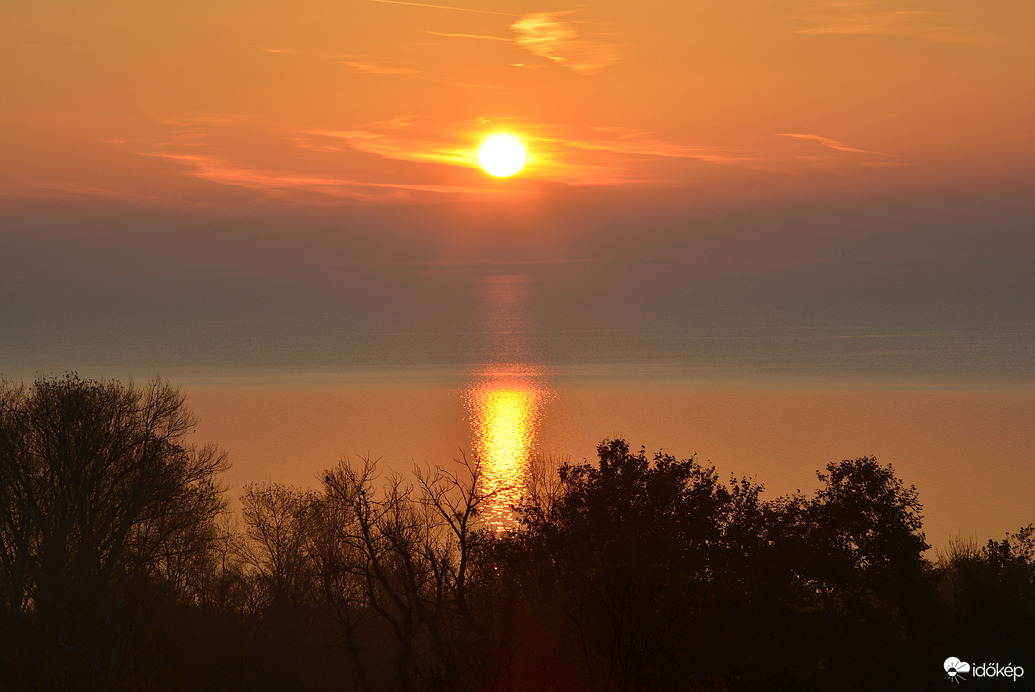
x=277, y=531
x=451, y=500
x=400, y=554
x=383, y=538
x=102, y=495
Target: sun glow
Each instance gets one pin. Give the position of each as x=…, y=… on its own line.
x=501, y=156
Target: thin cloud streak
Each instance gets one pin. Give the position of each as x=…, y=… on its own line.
x=442, y=7
x=593, y=157
x=301, y=188
x=882, y=18
x=544, y=35
x=475, y=36
x=640, y=144
x=403, y=149
x=542, y=164
x=832, y=143
x=568, y=159
x=371, y=68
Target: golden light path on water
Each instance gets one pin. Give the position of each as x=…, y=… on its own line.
x=504, y=406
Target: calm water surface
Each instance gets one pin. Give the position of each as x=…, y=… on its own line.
x=776, y=405
x=772, y=378
x=970, y=453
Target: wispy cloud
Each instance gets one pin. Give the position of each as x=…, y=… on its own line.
x=602, y=156
x=371, y=68
x=838, y=154
x=293, y=187
x=405, y=146
x=596, y=156
x=482, y=37
x=193, y=131
x=364, y=162
x=395, y=123
x=547, y=36
x=441, y=7
x=544, y=34
x=831, y=143
x=901, y=18
x=640, y=143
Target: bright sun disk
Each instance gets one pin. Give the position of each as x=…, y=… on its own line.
x=501, y=155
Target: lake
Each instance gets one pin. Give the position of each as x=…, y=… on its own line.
x=771, y=377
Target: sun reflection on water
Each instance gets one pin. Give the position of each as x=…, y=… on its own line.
x=504, y=405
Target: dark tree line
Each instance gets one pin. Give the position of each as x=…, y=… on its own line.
x=122, y=569
x=107, y=512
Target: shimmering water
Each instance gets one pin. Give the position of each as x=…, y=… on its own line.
x=504, y=407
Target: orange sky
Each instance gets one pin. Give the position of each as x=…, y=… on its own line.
x=318, y=102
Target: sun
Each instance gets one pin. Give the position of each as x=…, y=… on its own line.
x=501, y=156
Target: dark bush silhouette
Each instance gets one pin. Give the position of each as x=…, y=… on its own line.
x=991, y=597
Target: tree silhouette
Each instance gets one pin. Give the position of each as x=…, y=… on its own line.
x=660, y=575
x=120, y=570
x=855, y=552
x=103, y=499
x=626, y=560
x=278, y=543
x=865, y=532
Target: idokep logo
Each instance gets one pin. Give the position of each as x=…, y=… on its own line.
x=958, y=670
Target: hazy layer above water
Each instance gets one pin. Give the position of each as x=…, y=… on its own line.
x=841, y=290
x=654, y=320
